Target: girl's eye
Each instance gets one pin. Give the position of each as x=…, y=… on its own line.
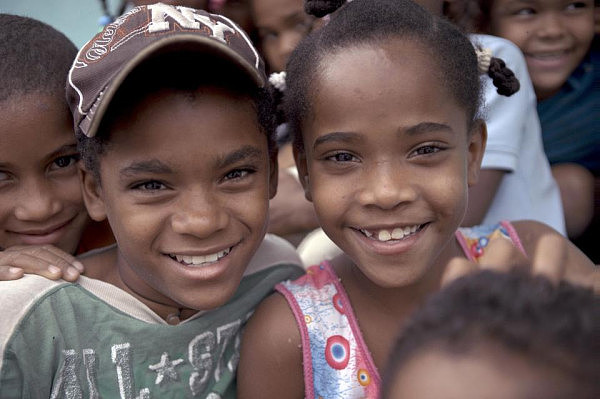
x=64, y=161
x=576, y=5
x=151, y=185
x=237, y=174
x=343, y=157
x=3, y=176
x=426, y=150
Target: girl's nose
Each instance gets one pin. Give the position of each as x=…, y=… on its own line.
x=551, y=26
x=37, y=202
x=199, y=215
x=386, y=187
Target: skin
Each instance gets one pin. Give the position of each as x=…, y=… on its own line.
x=554, y=36
x=164, y=200
x=486, y=371
x=40, y=196
x=368, y=166
x=281, y=24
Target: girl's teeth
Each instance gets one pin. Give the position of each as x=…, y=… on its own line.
x=384, y=235
x=397, y=233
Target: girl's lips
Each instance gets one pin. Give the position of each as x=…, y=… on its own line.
x=44, y=236
x=549, y=60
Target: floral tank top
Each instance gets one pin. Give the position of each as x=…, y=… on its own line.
x=337, y=362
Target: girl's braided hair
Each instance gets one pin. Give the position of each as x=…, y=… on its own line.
x=368, y=23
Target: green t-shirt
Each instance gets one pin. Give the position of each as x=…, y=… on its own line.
x=93, y=340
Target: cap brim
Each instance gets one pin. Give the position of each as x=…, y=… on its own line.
x=181, y=43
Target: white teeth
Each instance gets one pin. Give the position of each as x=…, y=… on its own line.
x=397, y=233
x=201, y=259
x=384, y=235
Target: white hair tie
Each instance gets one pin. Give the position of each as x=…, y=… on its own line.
x=277, y=79
x=484, y=57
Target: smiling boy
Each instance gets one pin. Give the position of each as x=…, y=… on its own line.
x=174, y=129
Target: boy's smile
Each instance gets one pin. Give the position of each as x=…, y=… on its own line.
x=388, y=160
x=185, y=186
x=554, y=36
x=40, y=196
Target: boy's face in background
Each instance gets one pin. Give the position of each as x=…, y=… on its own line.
x=554, y=35
x=186, y=187
x=40, y=194
x=281, y=24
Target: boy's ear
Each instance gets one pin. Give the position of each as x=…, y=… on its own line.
x=273, y=174
x=301, y=165
x=476, y=148
x=92, y=194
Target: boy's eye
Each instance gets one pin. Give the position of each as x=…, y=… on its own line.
x=525, y=11
x=151, y=185
x=64, y=161
x=237, y=174
x=343, y=157
x=426, y=150
x=3, y=176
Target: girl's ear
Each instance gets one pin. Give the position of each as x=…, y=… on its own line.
x=300, y=158
x=273, y=174
x=92, y=194
x=476, y=148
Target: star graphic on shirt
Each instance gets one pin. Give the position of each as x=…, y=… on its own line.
x=165, y=369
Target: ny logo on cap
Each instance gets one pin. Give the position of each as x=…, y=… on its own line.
x=186, y=18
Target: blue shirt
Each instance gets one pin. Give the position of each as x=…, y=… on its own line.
x=570, y=118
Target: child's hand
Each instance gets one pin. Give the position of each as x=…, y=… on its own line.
x=549, y=259
x=45, y=260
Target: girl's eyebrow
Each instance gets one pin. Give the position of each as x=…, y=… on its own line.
x=153, y=166
x=336, y=136
x=247, y=152
x=426, y=127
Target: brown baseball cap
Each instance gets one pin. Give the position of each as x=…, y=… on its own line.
x=109, y=57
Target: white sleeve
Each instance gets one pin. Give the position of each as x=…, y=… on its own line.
x=506, y=117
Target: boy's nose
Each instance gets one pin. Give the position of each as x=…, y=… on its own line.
x=288, y=41
x=385, y=187
x=198, y=215
x=37, y=202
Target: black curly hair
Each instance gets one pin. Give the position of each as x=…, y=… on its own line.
x=373, y=22
x=35, y=57
x=553, y=326
x=182, y=73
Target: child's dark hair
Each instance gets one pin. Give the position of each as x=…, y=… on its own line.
x=554, y=326
x=35, y=57
x=183, y=73
x=378, y=21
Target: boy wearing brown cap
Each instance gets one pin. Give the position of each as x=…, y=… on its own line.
x=172, y=121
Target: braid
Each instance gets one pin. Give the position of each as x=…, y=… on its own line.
x=504, y=79
x=320, y=8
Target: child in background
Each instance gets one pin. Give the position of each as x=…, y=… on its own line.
x=382, y=102
x=175, y=131
x=43, y=220
x=499, y=335
x=557, y=38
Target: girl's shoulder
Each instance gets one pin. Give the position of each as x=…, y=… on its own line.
x=271, y=353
